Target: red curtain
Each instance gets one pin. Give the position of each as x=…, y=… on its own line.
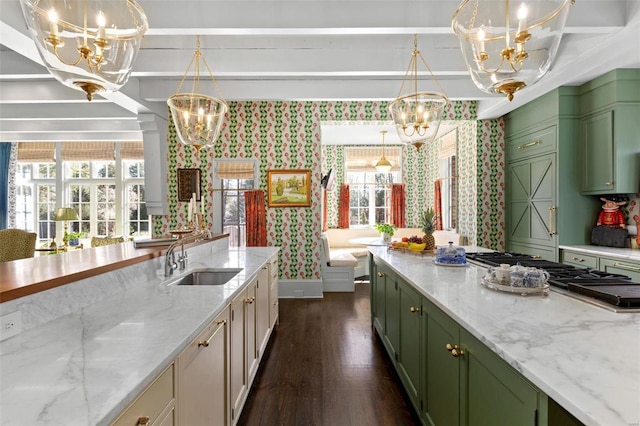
x=256, y=217
x=437, y=204
x=397, y=205
x=343, y=207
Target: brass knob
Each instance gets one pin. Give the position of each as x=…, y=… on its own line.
x=143, y=421
x=577, y=259
x=249, y=300
x=380, y=274
x=608, y=183
x=414, y=310
x=456, y=352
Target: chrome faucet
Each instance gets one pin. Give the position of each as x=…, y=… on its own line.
x=170, y=263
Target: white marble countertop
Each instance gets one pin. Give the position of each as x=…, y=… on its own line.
x=620, y=253
x=86, y=367
x=584, y=357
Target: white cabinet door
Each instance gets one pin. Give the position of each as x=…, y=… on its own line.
x=262, y=310
x=244, y=356
x=273, y=293
x=202, y=379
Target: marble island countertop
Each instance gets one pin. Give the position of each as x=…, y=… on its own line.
x=86, y=367
x=584, y=357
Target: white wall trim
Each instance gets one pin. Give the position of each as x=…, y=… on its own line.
x=300, y=289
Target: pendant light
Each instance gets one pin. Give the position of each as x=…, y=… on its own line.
x=88, y=45
x=508, y=45
x=198, y=118
x=383, y=165
x=417, y=115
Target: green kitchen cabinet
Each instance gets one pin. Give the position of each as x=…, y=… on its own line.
x=544, y=207
x=377, y=298
x=492, y=392
x=409, y=341
x=468, y=384
x=532, y=200
x=442, y=389
x=610, y=133
x=602, y=262
x=579, y=259
x=391, y=318
x=385, y=306
x=618, y=266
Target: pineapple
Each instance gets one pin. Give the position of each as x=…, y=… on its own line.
x=428, y=223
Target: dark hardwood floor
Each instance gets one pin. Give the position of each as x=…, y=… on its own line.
x=325, y=366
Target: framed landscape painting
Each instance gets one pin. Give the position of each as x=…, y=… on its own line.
x=289, y=188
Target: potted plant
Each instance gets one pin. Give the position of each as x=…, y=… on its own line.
x=73, y=238
x=386, y=230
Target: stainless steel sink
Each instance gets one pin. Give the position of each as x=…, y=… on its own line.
x=208, y=277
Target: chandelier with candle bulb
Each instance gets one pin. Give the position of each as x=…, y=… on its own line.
x=197, y=117
x=87, y=45
x=417, y=115
x=508, y=47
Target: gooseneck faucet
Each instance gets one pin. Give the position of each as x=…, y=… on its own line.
x=170, y=263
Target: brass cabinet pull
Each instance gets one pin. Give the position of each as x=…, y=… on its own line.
x=626, y=267
x=249, y=300
x=414, y=309
x=577, y=259
x=380, y=274
x=552, y=230
x=455, y=350
x=205, y=343
x=530, y=144
x=608, y=183
x=143, y=421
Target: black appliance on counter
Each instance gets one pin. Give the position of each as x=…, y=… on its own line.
x=613, y=291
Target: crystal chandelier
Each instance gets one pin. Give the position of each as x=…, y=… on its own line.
x=87, y=45
x=197, y=118
x=383, y=165
x=417, y=115
x=506, y=46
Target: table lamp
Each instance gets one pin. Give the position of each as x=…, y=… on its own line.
x=65, y=214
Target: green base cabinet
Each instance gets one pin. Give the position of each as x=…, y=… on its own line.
x=409, y=349
x=442, y=390
x=492, y=392
x=607, y=264
x=450, y=377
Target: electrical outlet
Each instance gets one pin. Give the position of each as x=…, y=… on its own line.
x=10, y=325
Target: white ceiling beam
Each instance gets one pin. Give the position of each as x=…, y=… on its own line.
x=78, y=111
x=316, y=89
x=71, y=136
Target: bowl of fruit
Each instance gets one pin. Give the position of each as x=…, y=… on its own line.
x=415, y=244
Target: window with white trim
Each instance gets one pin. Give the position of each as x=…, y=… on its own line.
x=103, y=182
x=233, y=177
x=369, y=190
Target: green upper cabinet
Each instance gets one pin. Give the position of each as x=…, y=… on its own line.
x=610, y=133
x=544, y=204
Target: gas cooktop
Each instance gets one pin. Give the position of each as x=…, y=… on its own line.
x=612, y=291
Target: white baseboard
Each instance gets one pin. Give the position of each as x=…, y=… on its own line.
x=301, y=289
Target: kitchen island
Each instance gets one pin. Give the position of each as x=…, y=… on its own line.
x=87, y=366
x=585, y=358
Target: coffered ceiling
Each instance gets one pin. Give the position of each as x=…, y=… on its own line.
x=289, y=50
